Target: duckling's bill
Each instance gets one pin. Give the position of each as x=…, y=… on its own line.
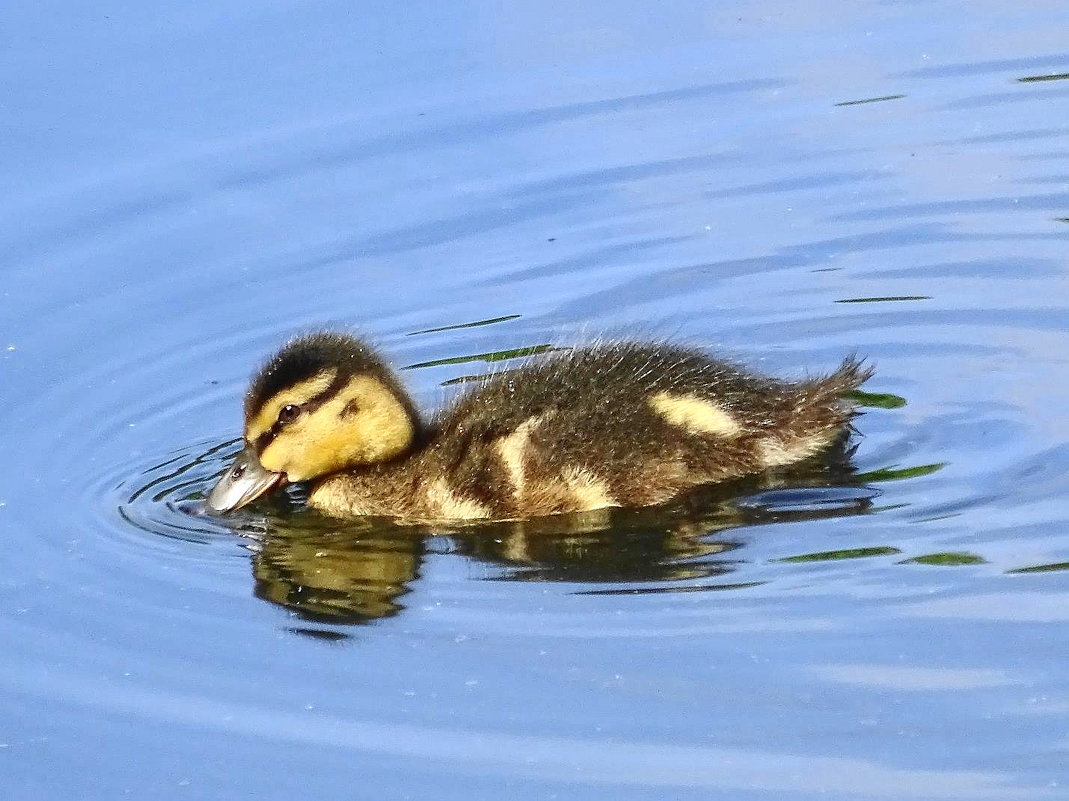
x=243, y=482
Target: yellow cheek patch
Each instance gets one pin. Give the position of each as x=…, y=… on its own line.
x=301, y=392
x=362, y=423
x=697, y=415
x=380, y=424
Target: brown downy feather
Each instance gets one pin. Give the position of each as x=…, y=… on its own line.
x=617, y=424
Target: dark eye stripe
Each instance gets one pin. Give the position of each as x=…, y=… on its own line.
x=309, y=405
x=264, y=439
x=317, y=400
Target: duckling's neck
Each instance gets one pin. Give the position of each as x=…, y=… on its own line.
x=388, y=488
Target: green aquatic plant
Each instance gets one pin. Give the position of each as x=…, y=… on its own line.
x=1051, y=568
x=876, y=400
x=865, y=100
x=493, y=356
x=1057, y=76
x=899, y=473
x=946, y=559
x=846, y=553
x=885, y=299
x=473, y=324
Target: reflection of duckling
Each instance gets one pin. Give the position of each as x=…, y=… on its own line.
x=339, y=577
x=617, y=424
x=357, y=571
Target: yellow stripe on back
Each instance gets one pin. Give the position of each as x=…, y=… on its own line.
x=452, y=506
x=588, y=491
x=512, y=450
x=774, y=452
x=697, y=415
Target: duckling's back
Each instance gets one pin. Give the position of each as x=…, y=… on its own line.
x=626, y=425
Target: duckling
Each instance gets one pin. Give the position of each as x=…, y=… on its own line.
x=612, y=424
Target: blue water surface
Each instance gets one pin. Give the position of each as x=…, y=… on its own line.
x=186, y=184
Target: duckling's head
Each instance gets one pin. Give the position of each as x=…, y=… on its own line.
x=324, y=403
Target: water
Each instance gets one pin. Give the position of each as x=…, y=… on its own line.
x=184, y=187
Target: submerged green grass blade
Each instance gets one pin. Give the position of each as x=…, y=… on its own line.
x=848, y=553
x=876, y=400
x=1057, y=76
x=949, y=558
x=885, y=299
x=864, y=100
x=900, y=473
x=493, y=356
x=1051, y=568
x=473, y=324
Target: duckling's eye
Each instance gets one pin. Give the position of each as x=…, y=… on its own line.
x=288, y=414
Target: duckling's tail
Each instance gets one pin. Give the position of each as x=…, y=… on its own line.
x=827, y=400
x=813, y=416
x=852, y=373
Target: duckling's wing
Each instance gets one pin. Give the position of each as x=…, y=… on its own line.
x=629, y=424
x=604, y=381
